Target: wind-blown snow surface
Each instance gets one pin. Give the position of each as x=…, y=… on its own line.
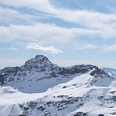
x=40, y=88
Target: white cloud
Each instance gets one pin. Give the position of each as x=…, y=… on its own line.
x=45, y=33
x=90, y=19
x=42, y=5
x=14, y=48
x=11, y=16
x=94, y=23
x=110, y=48
x=49, y=49
x=103, y=24
x=77, y=16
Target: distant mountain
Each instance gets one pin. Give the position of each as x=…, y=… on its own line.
x=41, y=88
x=109, y=71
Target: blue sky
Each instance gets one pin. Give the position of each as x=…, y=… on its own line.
x=68, y=32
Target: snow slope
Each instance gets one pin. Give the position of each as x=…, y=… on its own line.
x=50, y=90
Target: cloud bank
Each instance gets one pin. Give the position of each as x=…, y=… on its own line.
x=90, y=22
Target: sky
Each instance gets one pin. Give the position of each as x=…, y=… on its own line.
x=68, y=32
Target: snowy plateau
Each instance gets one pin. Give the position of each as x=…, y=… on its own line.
x=41, y=88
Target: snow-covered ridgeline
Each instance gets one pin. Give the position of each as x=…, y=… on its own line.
x=41, y=88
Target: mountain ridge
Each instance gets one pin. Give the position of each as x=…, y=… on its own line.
x=109, y=71
x=38, y=69
x=41, y=88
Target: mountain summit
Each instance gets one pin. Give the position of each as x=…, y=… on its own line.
x=37, y=61
x=46, y=89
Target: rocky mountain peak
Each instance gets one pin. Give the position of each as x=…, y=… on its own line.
x=39, y=60
x=96, y=72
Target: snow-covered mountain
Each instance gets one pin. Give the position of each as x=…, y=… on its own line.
x=37, y=72
x=109, y=71
x=41, y=88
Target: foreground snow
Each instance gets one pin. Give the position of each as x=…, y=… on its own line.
x=82, y=94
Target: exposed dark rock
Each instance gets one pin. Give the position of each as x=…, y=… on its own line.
x=22, y=115
x=41, y=108
x=80, y=114
x=47, y=113
x=26, y=108
x=101, y=115
x=32, y=104
x=98, y=73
